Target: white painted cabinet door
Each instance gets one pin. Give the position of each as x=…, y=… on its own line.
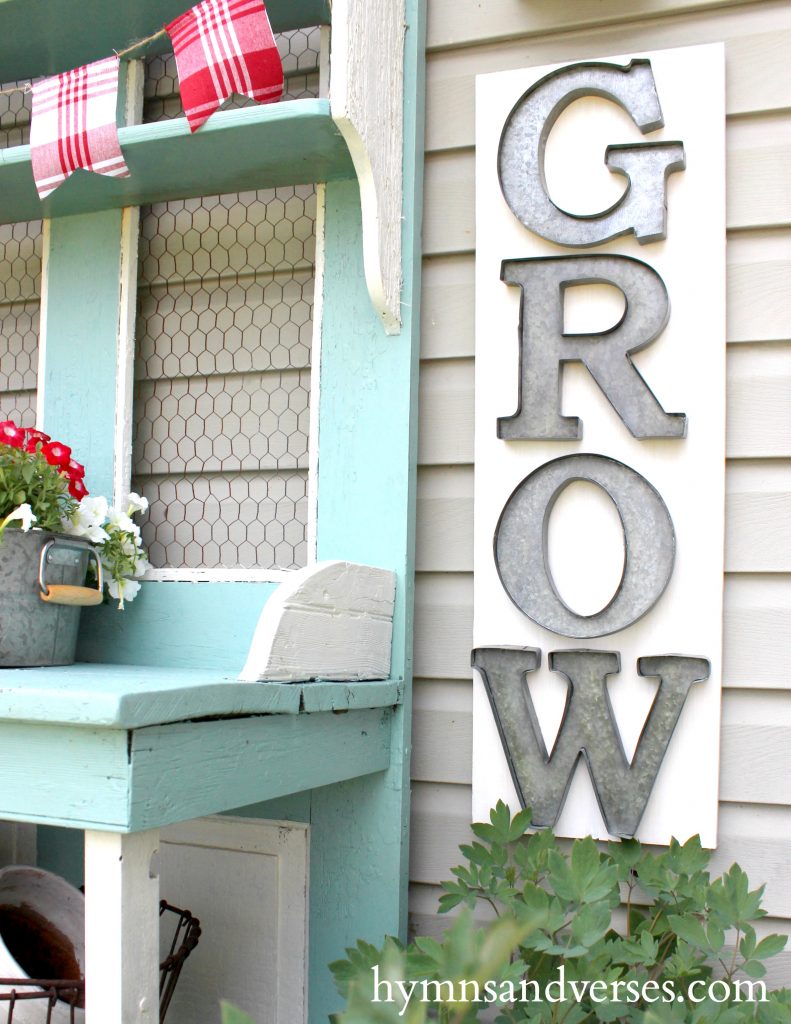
x=247, y=882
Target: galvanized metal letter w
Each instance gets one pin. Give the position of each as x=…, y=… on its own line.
x=588, y=729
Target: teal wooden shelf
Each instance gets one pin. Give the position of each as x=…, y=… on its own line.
x=126, y=748
x=45, y=37
x=295, y=142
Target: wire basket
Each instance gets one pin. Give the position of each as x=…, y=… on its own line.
x=67, y=997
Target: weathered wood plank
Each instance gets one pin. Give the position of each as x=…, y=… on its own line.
x=85, y=781
x=505, y=19
x=121, y=927
x=329, y=620
x=758, y=77
x=248, y=760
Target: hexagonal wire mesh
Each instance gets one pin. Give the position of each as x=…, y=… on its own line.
x=222, y=375
x=20, y=285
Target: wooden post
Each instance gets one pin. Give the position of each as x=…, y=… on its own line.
x=122, y=928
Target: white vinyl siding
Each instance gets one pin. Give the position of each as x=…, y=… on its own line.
x=755, y=785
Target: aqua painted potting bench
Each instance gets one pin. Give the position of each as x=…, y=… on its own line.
x=151, y=726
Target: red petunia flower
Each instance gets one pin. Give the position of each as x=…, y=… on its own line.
x=74, y=471
x=77, y=488
x=34, y=438
x=11, y=434
x=56, y=454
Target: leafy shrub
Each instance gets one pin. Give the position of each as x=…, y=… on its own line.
x=554, y=929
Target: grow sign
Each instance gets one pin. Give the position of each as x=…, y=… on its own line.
x=599, y=443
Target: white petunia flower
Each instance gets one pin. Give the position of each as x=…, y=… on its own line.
x=135, y=503
x=22, y=515
x=123, y=590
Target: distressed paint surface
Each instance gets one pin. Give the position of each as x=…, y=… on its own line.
x=369, y=418
x=191, y=769
x=40, y=37
x=121, y=928
x=367, y=105
x=63, y=776
x=120, y=780
x=331, y=620
x=289, y=143
x=80, y=315
x=179, y=625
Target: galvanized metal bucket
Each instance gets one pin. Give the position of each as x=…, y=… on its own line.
x=41, y=593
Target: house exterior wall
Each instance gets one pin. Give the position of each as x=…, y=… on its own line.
x=755, y=773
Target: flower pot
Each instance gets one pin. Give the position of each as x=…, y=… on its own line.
x=42, y=935
x=41, y=583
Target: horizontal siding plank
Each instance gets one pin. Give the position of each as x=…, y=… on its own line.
x=757, y=612
x=758, y=408
x=754, y=837
x=758, y=517
x=758, y=186
x=756, y=742
x=758, y=72
x=446, y=407
x=758, y=170
x=759, y=401
x=759, y=298
x=442, y=732
x=504, y=19
x=448, y=308
x=444, y=522
x=443, y=626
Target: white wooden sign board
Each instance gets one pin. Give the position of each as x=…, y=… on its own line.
x=685, y=369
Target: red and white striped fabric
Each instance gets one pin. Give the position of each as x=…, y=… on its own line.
x=73, y=125
x=224, y=47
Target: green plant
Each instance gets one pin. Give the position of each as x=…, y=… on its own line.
x=233, y=1015
x=579, y=934
x=41, y=484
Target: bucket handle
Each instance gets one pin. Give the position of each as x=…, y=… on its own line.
x=63, y=593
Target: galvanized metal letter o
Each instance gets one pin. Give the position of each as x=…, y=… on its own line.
x=520, y=545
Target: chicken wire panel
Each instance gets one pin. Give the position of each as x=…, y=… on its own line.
x=20, y=283
x=299, y=51
x=222, y=379
x=246, y=520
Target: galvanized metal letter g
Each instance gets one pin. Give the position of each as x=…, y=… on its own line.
x=642, y=207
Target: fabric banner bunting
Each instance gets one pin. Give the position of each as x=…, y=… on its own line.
x=73, y=125
x=224, y=47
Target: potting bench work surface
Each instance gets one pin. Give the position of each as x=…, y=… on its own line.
x=128, y=748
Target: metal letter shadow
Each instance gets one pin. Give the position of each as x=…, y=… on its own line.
x=587, y=729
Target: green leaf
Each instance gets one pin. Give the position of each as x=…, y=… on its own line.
x=233, y=1015
x=770, y=946
x=690, y=930
x=590, y=924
